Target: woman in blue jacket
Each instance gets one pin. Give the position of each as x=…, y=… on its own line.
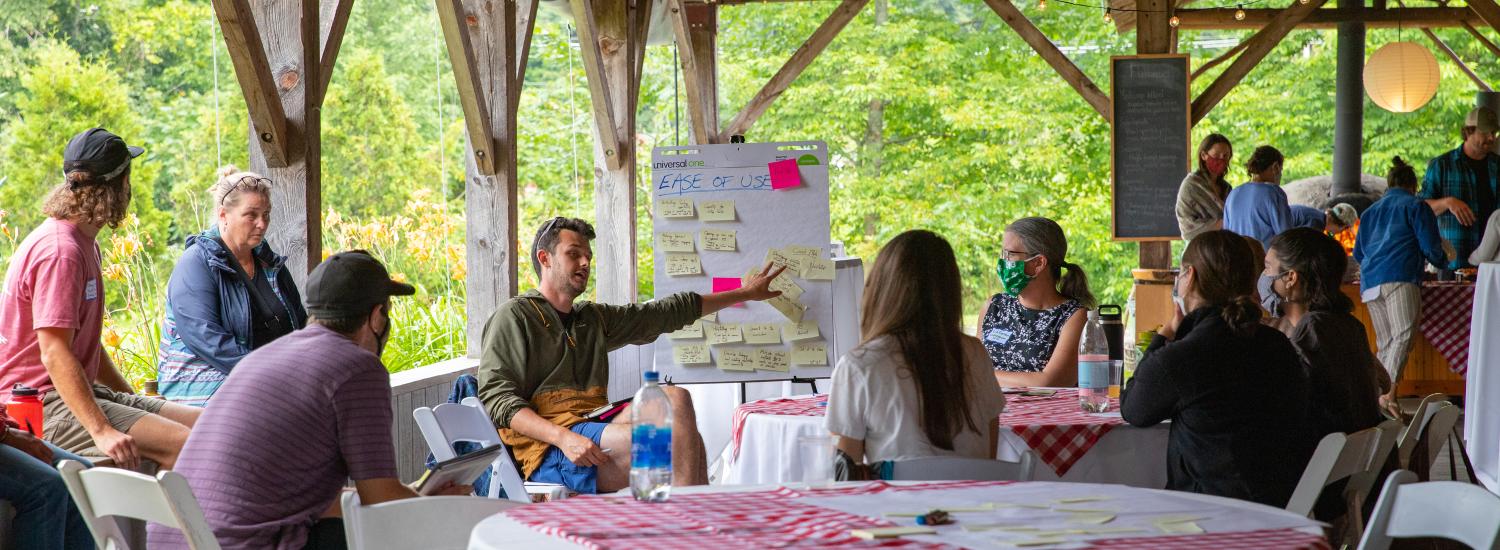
x=228, y=294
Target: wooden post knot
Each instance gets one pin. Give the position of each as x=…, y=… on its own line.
x=267, y=137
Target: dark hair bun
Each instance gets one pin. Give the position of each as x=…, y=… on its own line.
x=1396, y=162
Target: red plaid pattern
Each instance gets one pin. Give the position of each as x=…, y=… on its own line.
x=1056, y=428
x=811, y=405
x=1279, y=539
x=1446, y=312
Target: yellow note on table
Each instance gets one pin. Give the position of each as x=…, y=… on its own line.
x=804, y=251
x=712, y=317
x=783, y=284
x=891, y=532
x=762, y=333
x=724, y=334
x=1179, y=527
x=800, y=331
x=721, y=240
x=675, y=208
x=810, y=353
x=773, y=360
x=818, y=269
x=1077, y=500
x=1094, y=518
x=671, y=241
x=679, y=264
x=716, y=211
x=692, y=331
x=696, y=354
x=736, y=359
x=788, y=307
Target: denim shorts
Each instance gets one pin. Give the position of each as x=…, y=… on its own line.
x=556, y=468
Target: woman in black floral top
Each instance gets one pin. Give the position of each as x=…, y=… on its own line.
x=1032, y=329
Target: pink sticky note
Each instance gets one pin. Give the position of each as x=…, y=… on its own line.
x=784, y=174
x=722, y=284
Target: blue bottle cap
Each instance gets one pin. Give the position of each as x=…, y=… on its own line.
x=651, y=376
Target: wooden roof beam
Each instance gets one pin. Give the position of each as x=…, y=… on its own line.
x=599, y=90
x=333, y=20
x=1256, y=48
x=1049, y=52
x=1488, y=44
x=793, y=68
x=1452, y=55
x=1226, y=56
x=251, y=68
x=1223, y=18
x=704, y=131
x=1487, y=11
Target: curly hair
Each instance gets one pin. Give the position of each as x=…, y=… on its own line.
x=85, y=199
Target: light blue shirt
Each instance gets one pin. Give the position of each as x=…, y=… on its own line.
x=1257, y=210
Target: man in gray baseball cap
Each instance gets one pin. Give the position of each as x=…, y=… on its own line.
x=1462, y=185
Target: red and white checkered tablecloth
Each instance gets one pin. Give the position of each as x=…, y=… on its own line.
x=1054, y=426
x=774, y=518
x=1446, y=312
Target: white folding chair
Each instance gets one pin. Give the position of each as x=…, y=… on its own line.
x=449, y=423
x=1419, y=419
x=1429, y=438
x=103, y=492
x=432, y=523
x=1449, y=509
x=952, y=467
x=1337, y=457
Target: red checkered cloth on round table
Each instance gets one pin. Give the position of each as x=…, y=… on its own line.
x=1446, y=312
x=1289, y=539
x=1056, y=428
x=811, y=405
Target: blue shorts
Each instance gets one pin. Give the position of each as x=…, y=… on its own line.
x=556, y=468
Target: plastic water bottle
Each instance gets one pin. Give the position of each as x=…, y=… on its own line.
x=1093, y=367
x=651, y=442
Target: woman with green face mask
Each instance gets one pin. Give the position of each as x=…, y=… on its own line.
x=1031, y=329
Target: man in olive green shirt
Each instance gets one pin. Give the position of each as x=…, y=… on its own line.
x=545, y=365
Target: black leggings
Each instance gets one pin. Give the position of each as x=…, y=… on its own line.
x=327, y=534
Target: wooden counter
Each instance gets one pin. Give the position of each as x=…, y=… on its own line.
x=1426, y=370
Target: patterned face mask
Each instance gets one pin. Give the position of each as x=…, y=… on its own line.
x=1013, y=274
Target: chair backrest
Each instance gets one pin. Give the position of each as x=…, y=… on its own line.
x=952, y=467
x=1434, y=433
x=1413, y=431
x=1337, y=457
x=449, y=423
x=166, y=499
x=1448, y=509
x=433, y=523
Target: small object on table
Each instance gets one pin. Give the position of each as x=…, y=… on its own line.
x=891, y=532
x=1039, y=393
x=935, y=517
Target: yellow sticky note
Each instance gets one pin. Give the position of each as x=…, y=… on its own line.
x=696, y=354
x=788, y=307
x=891, y=532
x=817, y=269
x=1077, y=500
x=810, y=353
x=1036, y=542
x=777, y=258
x=773, y=360
x=736, y=359
x=762, y=333
x=716, y=211
x=1096, y=519
x=671, y=241
x=675, y=208
x=1179, y=527
x=800, y=331
x=783, y=284
x=795, y=264
x=692, y=331
x=721, y=240
x=723, y=334
x=680, y=264
x=712, y=317
x=804, y=251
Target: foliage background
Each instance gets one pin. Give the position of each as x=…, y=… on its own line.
x=938, y=115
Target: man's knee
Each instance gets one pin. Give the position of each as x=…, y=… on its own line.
x=682, y=401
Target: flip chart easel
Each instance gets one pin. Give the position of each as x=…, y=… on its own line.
x=717, y=215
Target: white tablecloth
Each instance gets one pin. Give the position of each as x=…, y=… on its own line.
x=769, y=454
x=1213, y=514
x=1482, y=383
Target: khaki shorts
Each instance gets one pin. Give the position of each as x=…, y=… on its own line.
x=61, y=428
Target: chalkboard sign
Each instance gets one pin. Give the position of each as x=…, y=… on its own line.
x=1149, y=149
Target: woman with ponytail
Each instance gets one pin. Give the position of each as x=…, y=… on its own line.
x=1032, y=329
x=1234, y=389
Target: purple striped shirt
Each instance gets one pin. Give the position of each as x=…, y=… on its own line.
x=294, y=421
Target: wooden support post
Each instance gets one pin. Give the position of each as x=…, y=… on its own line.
x=1059, y=61
x=696, y=50
x=1452, y=55
x=488, y=49
x=1487, y=11
x=1256, y=48
x=280, y=65
x=1488, y=44
x=612, y=37
x=794, y=66
x=1226, y=56
x=1154, y=36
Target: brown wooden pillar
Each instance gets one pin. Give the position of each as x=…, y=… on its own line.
x=696, y=28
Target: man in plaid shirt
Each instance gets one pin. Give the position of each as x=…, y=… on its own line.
x=1461, y=187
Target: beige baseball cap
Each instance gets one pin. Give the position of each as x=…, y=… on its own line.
x=1484, y=119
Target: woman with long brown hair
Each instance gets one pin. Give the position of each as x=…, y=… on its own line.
x=917, y=385
x=1233, y=388
x=1201, y=195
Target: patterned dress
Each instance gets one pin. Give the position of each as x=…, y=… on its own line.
x=1021, y=339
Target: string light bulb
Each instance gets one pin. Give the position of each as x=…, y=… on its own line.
x=1041, y=5
x=1108, y=17
x=1174, y=21
x=1239, y=13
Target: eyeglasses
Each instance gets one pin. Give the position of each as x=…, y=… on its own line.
x=246, y=181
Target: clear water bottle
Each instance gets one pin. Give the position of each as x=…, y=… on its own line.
x=651, y=442
x=1093, y=367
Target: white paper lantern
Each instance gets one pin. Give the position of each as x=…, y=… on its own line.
x=1401, y=77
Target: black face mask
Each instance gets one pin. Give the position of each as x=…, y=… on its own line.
x=382, y=337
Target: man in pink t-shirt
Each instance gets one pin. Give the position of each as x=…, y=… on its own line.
x=52, y=314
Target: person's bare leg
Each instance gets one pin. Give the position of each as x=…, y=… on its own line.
x=615, y=474
x=689, y=459
x=159, y=439
x=181, y=414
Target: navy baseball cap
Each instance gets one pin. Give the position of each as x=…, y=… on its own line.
x=99, y=152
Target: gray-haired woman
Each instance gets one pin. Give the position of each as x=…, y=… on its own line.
x=1032, y=329
x=228, y=294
